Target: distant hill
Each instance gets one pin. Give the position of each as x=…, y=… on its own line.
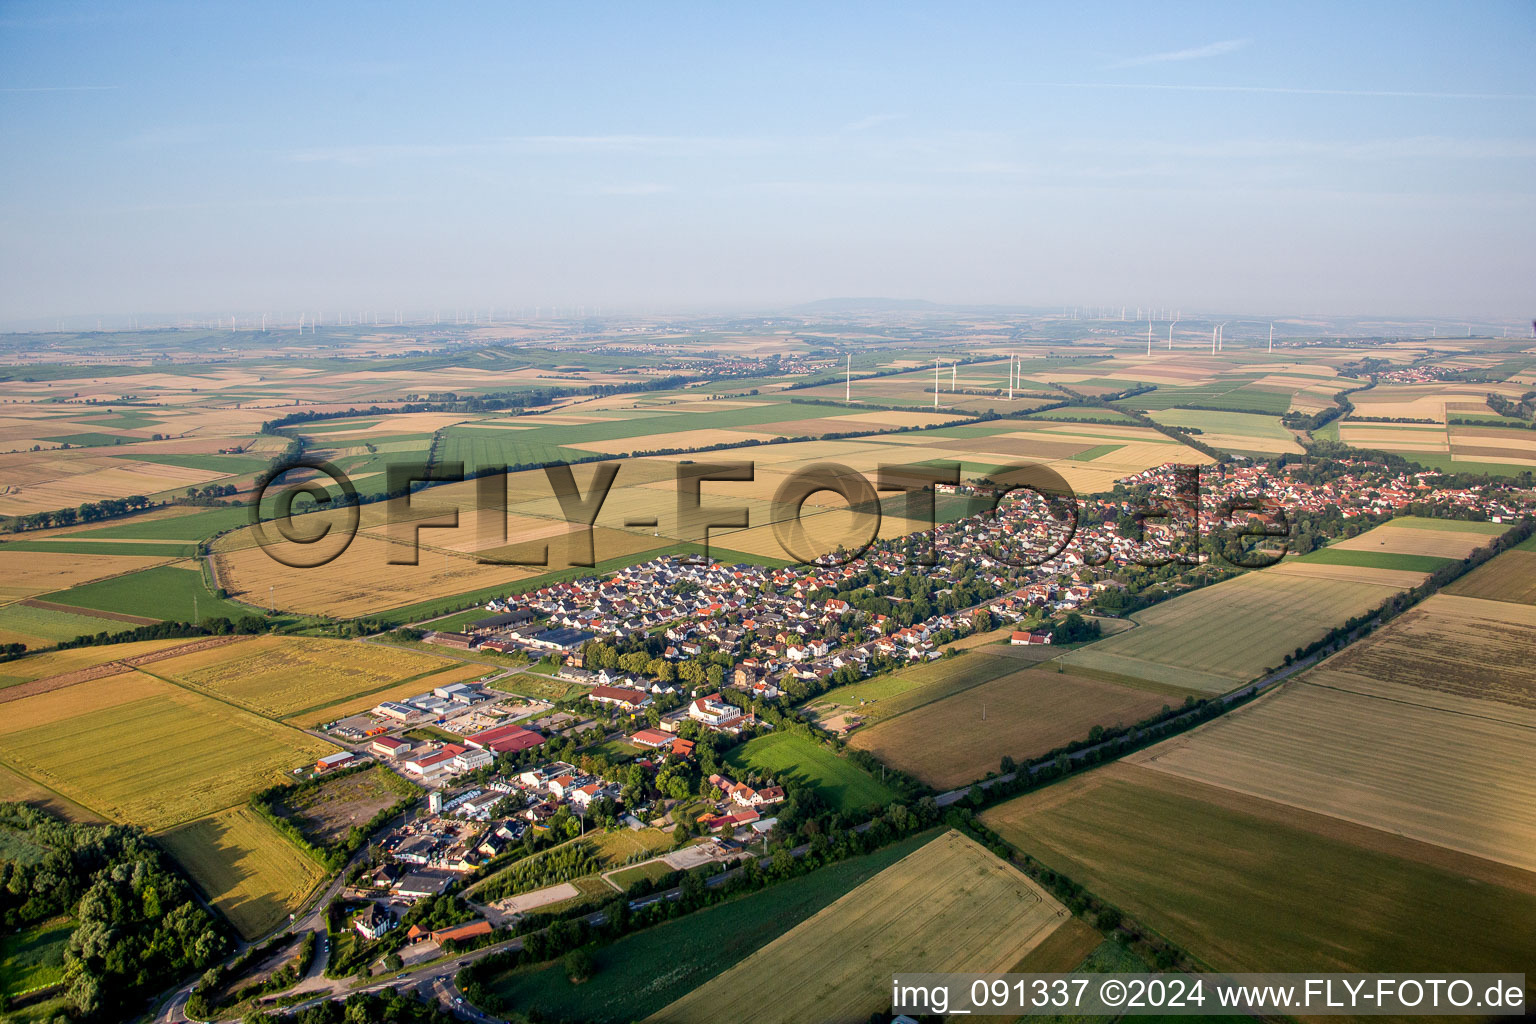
x=865, y=305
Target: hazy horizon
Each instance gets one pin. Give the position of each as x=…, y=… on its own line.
x=172, y=157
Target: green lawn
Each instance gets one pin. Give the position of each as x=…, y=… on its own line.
x=643, y=972
x=791, y=756
x=162, y=592
x=1376, y=559
x=34, y=958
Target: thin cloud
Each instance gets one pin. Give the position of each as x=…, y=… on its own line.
x=1195, y=53
x=873, y=120
x=1297, y=91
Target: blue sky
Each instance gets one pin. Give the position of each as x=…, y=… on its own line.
x=167, y=157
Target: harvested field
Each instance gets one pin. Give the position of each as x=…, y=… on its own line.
x=1456, y=780
x=1023, y=715
x=47, y=665
x=1221, y=635
x=950, y=906
x=252, y=874
x=143, y=751
x=1410, y=537
x=1449, y=644
x=280, y=676
x=1347, y=572
x=29, y=573
x=1509, y=577
x=1250, y=885
x=360, y=581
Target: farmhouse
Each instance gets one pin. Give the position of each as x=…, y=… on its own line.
x=1021, y=638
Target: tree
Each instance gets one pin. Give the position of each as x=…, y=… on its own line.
x=579, y=965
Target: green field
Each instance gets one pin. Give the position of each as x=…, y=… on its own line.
x=1248, y=885
x=1081, y=414
x=34, y=958
x=1443, y=462
x=91, y=439
x=1451, y=525
x=48, y=625
x=791, y=756
x=67, y=546
x=478, y=449
x=235, y=465
x=1228, y=394
x=893, y=693
x=1215, y=637
x=1240, y=424
x=193, y=526
x=162, y=592
x=643, y=972
x=1376, y=559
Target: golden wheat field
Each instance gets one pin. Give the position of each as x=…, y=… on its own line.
x=1403, y=536
x=951, y=905
x=25, y=574
x=56, y=663
x=277, y=676
x=312, y=716
x=147, y=752
x=253, y=875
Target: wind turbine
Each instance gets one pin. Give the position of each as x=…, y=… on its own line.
x=952, y=367
x=1271, y=337
x=1213, y=339
x=935, y=384
x=848, y=387
x=1010, y=373
x=1149, y=337
x=1170, y=334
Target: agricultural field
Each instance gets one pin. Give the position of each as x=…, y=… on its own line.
x=1509, y=577
x=1434, y=538
x=792, y=756
x=1234, y=431
x=47, y=665
x=1448, y=648
x=1246, y=884
x=38, y=626
x=141, y=751
x=951, y=906
x=1219, y=636
x=283, y=676
x=891, y=694
x=176, y=592
x=1022, y=715
x=18, y=788
x=253, y=875
x=27, y=574
x=642, y=972
x=1368, y=559
x=1464, y=779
